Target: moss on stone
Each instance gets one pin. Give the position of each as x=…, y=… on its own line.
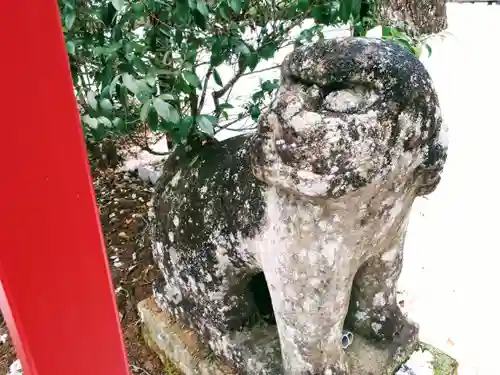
x=443, y=364
x=171, y=368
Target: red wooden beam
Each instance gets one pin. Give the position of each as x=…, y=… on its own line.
x=55, y=287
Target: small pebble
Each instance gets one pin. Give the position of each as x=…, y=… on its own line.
x=123, y=235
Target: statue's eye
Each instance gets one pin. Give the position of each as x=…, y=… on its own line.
x=352, y=100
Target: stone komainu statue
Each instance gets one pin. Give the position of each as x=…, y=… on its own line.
x=317, y=201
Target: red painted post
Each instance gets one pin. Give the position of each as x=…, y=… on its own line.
x=56, y=292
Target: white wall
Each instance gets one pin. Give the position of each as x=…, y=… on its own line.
x=450, y=274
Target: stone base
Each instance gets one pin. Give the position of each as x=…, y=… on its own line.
x=180, y=347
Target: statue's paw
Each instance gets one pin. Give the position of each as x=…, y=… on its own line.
x=386, y=325
x=396, y=327
x=407, y=332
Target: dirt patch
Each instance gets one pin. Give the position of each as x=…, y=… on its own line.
x=124, y=201
x=7, y=353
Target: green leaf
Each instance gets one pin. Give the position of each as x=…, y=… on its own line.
x=418, y=50
x=318, y=13
x=226, y=106
x=107, y=75
x=182, y=130
x=242, y=63
x=355, y=9
x=224, y=11
x=206, y=124
x=255, y=112
x=252, y=60
x=153, y=120
x=118, y=4
x=119, y=124
x=143, y=91
x=217, y=78
x=345, y=10
x=191, y=54
x=106, y=105
x=70, y=47
x=242, y=48
x=108, y=13
x=122, y=95
x=268, y=50
x=69, y=19
x=105, y=121
x=199, y=20
x=359, y=30
x=140, y=65
x=151, y=79
x=429, y=49
x=216, y=59
x=138, y=8
x=269, y=86
x=191, y=78
x=236, y=5
x=130, y=83
x=145, y=110
x=112, y=85
x=258, y=95
x=386, y=31
x=68, y=3
x=398, y=33
x=202, y=7
x=167, y=97
x=302, y=4
x=91, y=122
x=218, y=50
x=166, y=111
x=405, y=43
x=91, y=100
x=306, y=34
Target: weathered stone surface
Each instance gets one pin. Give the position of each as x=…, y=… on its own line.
x=298, y=229
x=428, y=360
x=179, y=345
x=417, y=17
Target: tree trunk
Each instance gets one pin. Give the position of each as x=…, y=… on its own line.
x=416, y=17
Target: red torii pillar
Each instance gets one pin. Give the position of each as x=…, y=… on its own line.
x=55, y=287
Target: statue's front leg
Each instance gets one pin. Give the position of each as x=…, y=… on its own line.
x=310, y=289
x=310, y=312
x=374, y=309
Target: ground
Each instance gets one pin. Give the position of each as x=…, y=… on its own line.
x=124, y=201
x=7, y=354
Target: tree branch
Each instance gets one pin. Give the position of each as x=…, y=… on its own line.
x=145, y=146
x=219, y=93
x=232, y=122
x=262, y=70
x=205, y=85
x=193, y=103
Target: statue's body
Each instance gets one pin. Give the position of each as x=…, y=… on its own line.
x=318, y=200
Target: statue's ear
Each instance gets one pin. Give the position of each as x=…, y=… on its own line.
x=429, y=137
x=429, y=173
